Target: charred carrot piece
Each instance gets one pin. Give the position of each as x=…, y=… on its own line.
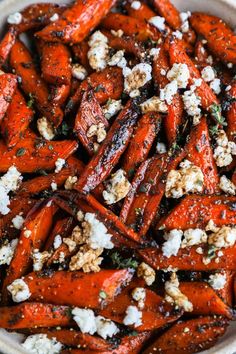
x=116, y=141
x=59, y=94
x=106, y=84
x=30, y=315
x=199, y=152
x=16, y=120
x=202, y=334
x=62, y=227
x=21, y=61
x=220, y=38
x=144, y=12
x=166, y=9
x=80, y=289
x=55, y=64
x=131, y=26
x=30, y=155
x=8, y=83
x=6, y=44
x=141, y=142
x=189, y=259
x=231, y=113
x=80, y=51
x=90, y=114
x=196, y=211
x=76, y=22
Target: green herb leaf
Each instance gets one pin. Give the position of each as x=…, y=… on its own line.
x=123, y=263
x=211, y=253
x=103, y=295
x=30, y=102
x=215, y=110
x=20, y=152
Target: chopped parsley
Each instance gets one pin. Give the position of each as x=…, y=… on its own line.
x=123, y=263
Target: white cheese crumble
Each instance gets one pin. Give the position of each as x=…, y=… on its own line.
x=117, y=187
x=96, y=232
x=177, y=34
x=79, y=72
x=27, y=233
x=8, y=182
x=119, y=33
x=158, y=22
x=208, y=74
x=118, y=59
x=70, y=182
x=154, y=104
x=54, y=186
x=174, y=295
x=147, y=273
x=215, y=85
x=223, y=238
x=97, y=130
x=57, y=242
x=227, y=186
x=105, y=327
x=45, y=128
x=189, y=178
x=217, y=281
x=172, y=244
x=154, y=52
x=39, y=259
x=18, y=222
x=136, y=78
x=14, y=19
x=161, y=148
x=168, y=92
x=85, y=320
x=180, y=73
x=192, y=103
x=224, y=149
x=133, y=317
x=136, y=5
x=54, y=17
x=41, y=344
x=139, y=295
x=111, y=108
x=19, y=290
x=98, y=52
x=59, y=164
x=184, y=18
x=193, y=237
x=7, y=251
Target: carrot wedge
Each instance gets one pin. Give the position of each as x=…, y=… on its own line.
x=16, y=120
x=8, y=83
x=220, y=38
x=197, y=211
x=203, y=332
x=166, y=9
x=6, y=44
x=62, y=227
x=59, y=94
x=199, y=152
x=144, y=12
x=110, y=151
x=30, y=315
x=79, y=289
x=76, y=22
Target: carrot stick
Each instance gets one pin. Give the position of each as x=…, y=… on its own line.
x=202, y=333
x=79, y=289
x=59, y=94
x=231, y=113
x=220, y=38
x=16, y=120
x=77, y=21
x=144, y=12
x=8, y=83
x=80, y=51
x=110, y=151
x=62, y=227
x=196, y=211
x=166, y=9
x=6, y=44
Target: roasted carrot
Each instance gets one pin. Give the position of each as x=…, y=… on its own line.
x=76, y=22
x=231, y=113
x=141, y=142
x=226, y=293
x=200, y=54
x=144, y=12
x=220, y=38
x=190, y=336
x=59, y=94
x=16, y=120
x=110, y=151
x=199, y=152
x=196, y=211
x=79, y=289
x=55, y=64
x=8, y=83
x=166, y=9
x=89, y=114
x=80, y=51
x=31, y=82
x=30, y=315
x=62, y=227
x=6, y=44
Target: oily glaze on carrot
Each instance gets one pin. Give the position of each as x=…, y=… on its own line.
x=202, y=333
x=62, y=227
x=77, y=21
x=231, y=113
x=6, y=44
x=59, y=94
x=144, y=12
x=221, y=40
x=8, y=83
x=166, y=9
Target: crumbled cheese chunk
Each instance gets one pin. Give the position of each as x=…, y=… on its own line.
x=189, y=178
x=59, y=164
x=57, y=241
x=192, y=103
x=27, y=233
x=8, y=182
x=137, y=78
x=15, y=19
x=227, y=186
x=224, y=149
x=136, y=5
x=111, y=108
x=98, y=52
x=85, y=320
x=147, y=273
x=133, y=317
x=71, y=244
x=193, y=237
x=79, y=72
x=117, y=59
x=139, y=294
x=97, y=130
x=168, y=92
x=158, y=22
x=86, y=259
x=154, y=52
x=80, y=215
x=208, y=73
x=19, y=290
x=180, y=73
x=118, y=33
x=211, y=226
x=117, y=187
x=217, y=281
x=18, y=222
x=174, y=295
x=161, y=148
x=105, y=327
x=172, y=244
x=7, y=251
x=54, y=17
x=96, y=232
x=70, y=182
x=223, y=238
x=184, y=18
x=39, y=259
x=45, y=128
x=154, y=104
x=54, y=186
x=177, y=34
x=41, y=344
x=215, y=85
x=230, y=65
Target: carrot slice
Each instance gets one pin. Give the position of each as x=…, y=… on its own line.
x=76, y=22
x=197, y=211
x=199, y=152
x=30, y=315
x=202, y=333
x=8, y=83
x=16, y=120
x=166, y=9
x=6, y=44
x=220, y=38
x=79, y=289
x=110, y=151
x=59, y=94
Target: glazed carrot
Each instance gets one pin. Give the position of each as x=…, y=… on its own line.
x=189, y=259
x=199, y=152
x=30, y=315
x=106, y=84
x=144, y=12
x=131, y=26
x=196, y=211
x=16, y=120
x=59, y=94
x=80, y=51
x=226, y=293
x=6, y=44
x=166, y=9
x=141, y=142
x=200, y=54
x=204, y=299
x=30, y=155
x=32, y=84
x=55, y=64
x=89, y=114
x=62, y=227
x=76, y=22
x=231, y=113
x=202, y=333
x=8, y=84
x=220, y=38
x=100, y=166
x=79, y=289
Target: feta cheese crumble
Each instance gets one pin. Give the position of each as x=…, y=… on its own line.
x=79, y=72
x=136, y=5
x=139, y=294
x=7, y=251
x=180, y=73
x=158, y=22
x=59, y=164
x=19, y=290
x=85, y=320
x=54, y=186
x=147, y=273
x=97, y=130
x=96, y=233
x=224, y=149
x=45, y=128
x=54, y=17
x=227, y=186
x=111, y=108
x=217, y=281
x=136, y=78
x=215, y=85
x=15, y=19
x=8, y=182
x=169, y=91
x=18, y=222
x=172, y=244
x=161, y=148
x=133, y=317
x=105, y=327
x=154, y=104
x=174, y=295
x=57, y=242
x=41, y=344
x=193, y=237
x=39, y=259
x=70, y=182
x=192, y=103
x=208, y=74
x=98, y=52
x=184, y=18
x=223, y=238
x=117, y=187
